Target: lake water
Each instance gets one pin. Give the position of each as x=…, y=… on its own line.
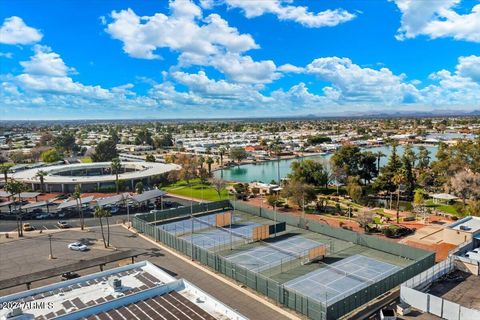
x=267, y=171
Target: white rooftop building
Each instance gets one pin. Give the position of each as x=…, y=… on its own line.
x=136, y=291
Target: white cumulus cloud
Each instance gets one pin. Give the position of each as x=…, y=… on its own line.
x=287, y=12
x=437, y=19
x=15, y=31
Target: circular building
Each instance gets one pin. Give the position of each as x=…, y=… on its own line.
x=92, y=176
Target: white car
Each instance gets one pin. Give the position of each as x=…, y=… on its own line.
x=77, y=246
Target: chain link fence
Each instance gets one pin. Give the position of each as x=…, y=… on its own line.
x=312, y=308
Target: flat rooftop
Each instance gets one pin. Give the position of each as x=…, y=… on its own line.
x=460, y=287
x=468, y=224
x=144, y=292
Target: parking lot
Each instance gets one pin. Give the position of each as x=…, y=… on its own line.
x=47, y=222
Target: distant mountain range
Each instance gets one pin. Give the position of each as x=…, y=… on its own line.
x=339, y=115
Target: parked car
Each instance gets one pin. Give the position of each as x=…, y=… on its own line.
x=63, y=225
x=42, y=216
x=27, y=227
x=115, y=210
x=69, y=275
x=77, y=246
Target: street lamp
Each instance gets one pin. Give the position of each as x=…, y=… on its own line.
x=50, y=242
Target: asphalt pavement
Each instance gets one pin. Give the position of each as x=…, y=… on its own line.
x=49, y=224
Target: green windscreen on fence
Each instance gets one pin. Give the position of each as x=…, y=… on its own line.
x=308, y=306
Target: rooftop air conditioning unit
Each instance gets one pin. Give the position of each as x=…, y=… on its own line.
x=14, y=313
x=115, y=283
x=465, y=228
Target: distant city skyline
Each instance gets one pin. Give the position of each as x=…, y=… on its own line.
x=237, y=58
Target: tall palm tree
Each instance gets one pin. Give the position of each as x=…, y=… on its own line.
x=209, y=162
x=101, y=213
x=41, y=175
x=201, y=161
x=77, y=195
x=398, y=179
x=115, y=166
x=15, y=188
x=379, y=156
x=221, y=153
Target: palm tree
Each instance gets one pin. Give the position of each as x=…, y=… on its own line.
x=15, y=188
x=101, y=213
x=41, y=175
x=77, y=195
x=277, y=150
x=379, y=155
x=201, y=161
x=209, y=162
x=398, y=180
x=115, y=166
x=221, y=153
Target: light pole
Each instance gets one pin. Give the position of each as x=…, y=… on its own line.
x=50, y=242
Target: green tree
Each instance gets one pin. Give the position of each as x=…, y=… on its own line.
x=144, y=137
x=15, y=188
x=65, y=142
x=418, y=198
x=310, y=172
x=354, y=189
x=274, y=200
x=238, y=154
x=115, y=167
x=367, y=166
x=4, y=168
x=150, y=158
x=423, y=158
x=347, y=159
x=318, y=139
x=105, y=151
x=384, y=181
x=409, y=178
x=410, y=155
x=50, y=156
x=139, y=187
x=299, y=192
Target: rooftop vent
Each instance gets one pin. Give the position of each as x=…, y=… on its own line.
x=115, y=283
x=465, y=228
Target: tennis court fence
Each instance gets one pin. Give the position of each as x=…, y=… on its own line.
x=312, y=308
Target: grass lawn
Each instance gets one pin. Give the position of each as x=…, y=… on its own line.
x=86, y=160
x=195, y=190
x=443, y=207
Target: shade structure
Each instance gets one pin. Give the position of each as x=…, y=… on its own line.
x=23, y=195
x=112, y=200
x=34, y=205
x=148, y=195
x=73, y=203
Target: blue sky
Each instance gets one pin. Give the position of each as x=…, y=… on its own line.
x=236, y=58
